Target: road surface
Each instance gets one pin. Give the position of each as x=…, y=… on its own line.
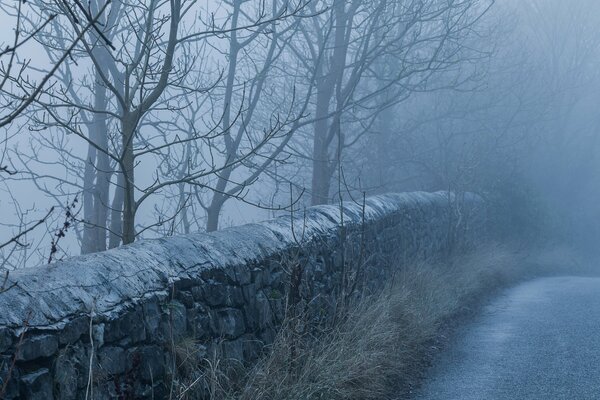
x=540, y=340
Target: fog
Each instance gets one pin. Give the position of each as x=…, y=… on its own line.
x=134, y=119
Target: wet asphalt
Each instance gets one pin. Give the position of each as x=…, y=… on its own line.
x=539, y=340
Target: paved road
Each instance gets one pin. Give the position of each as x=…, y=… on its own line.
x=540, y=340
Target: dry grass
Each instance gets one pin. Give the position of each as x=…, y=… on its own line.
x=381, y=344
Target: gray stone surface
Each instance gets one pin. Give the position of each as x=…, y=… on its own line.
x=37, y=385
x=228, y=323
x=6, y=339
x=37, y=346
x=223, y=292
x=112, y=360
x=9, y=379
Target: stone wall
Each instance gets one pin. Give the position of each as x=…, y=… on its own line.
x=125, y=323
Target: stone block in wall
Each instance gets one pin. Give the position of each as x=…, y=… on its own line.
x=66, y=382
x=228, y=323
x=185, y=297
x=217, y=275
x=108, y=390
x=198, y=321
x=152, y=314
x=128, y=327
x=9, y=378
x=98, y=334
x=112, y=360
x=184, y=284
x=249, y=293
x=233, y=349
x=174, y=321
x=241, y=274
x=37, y=385
x=257, y=276
x=70, y=371
x=277, y=305
x=275, y=279
x=6, y=339
x=264, y=314
x=74, y=329
x=267, y=335
x=252, y=347
x=146, y=362
x=36, y=346
x=217, y=294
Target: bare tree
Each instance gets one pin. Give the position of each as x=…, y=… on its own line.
x=130, y=106
x=343, y=47
x=247, y=80
x=19, y=89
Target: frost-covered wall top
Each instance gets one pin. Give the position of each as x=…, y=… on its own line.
x=50, y=295
x=111, y=322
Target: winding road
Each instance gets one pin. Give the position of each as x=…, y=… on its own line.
x=539, y=340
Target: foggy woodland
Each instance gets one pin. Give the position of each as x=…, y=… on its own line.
x=130, y=119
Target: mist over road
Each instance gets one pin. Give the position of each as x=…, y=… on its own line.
x=539, y=340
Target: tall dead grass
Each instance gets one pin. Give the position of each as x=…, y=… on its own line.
x=379, y=345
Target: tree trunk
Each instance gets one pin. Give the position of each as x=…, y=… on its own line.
x=213, y=212
x=320, y=174
x=116, y=214
x=101, y=204
x=89, y=215
x=320, y=162
x=214, y=209
x=129, y=207
x=96, y=179
x=327, y=86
